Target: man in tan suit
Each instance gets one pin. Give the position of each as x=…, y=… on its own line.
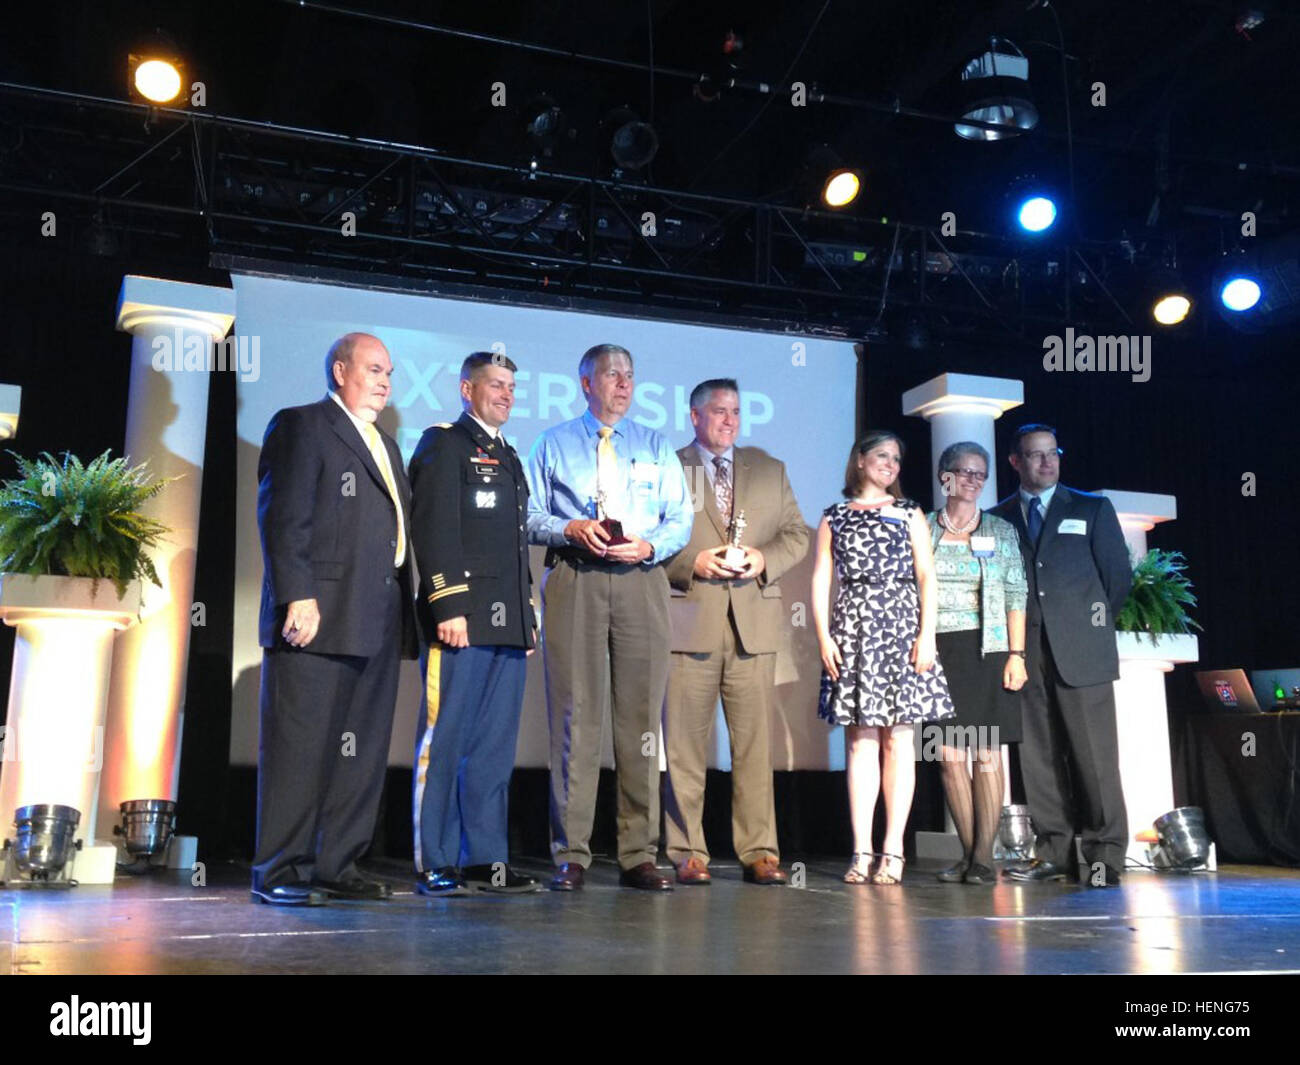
x=727, y=621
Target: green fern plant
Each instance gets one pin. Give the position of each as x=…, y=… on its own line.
x=66, y=519
x=1156, y=605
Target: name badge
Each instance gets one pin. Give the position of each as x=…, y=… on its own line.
x=982, y=546
x=1073, y=525
x=892, y=514
x=645, y=472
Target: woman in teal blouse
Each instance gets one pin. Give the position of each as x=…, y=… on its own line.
x=981, y=643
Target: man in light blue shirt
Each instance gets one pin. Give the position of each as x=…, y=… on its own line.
x=605, y=611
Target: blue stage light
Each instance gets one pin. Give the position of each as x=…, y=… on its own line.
x=1036, y=214
x=1240, y=293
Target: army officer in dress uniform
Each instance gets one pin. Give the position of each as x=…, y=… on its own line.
x=469, y=503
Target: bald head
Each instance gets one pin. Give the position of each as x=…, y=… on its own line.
x=360, y=370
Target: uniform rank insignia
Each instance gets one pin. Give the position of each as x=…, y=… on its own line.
x=485, y=499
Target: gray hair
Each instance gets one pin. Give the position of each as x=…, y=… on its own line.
x=948, y=460
x=587, y=364
x=700, y=393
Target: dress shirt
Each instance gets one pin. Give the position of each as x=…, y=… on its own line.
x=651, y=500
x=707, y=457
x=1026, y=502
x=385, y=471
x=491, y=431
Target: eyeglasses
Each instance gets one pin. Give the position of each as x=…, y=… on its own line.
x=1042, y=456
x=972, y=475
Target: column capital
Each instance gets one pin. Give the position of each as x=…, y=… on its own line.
x=154, y=303
x=960, y=393
x=1141, y=510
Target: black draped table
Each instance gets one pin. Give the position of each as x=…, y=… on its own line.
x=1243, y=770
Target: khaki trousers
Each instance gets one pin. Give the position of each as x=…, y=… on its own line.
x=745, y=683
x=606, y=639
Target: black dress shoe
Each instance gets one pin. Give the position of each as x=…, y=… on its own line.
x=568, y=877
x=446, y=882
x=979, y=874
x=290, y=895
x=355, y=887
x=954, y=873
x=645, y=877
x=1035, y=871
x=499, y=879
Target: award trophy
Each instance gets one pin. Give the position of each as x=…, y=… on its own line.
x=734, y=554
x=611, y=525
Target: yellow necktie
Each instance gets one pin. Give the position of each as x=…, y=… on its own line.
x=606, y=465
x=380, y=455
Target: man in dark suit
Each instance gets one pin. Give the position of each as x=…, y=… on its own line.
x=336, y=618
x=469, y=509
x=1079, y=576
x=727, y=623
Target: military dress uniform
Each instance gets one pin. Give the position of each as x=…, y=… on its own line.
x=469, y=500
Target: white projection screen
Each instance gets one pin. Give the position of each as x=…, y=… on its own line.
x=798, y=395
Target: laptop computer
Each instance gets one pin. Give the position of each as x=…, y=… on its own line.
x=1267, y=681
x=1226, y=691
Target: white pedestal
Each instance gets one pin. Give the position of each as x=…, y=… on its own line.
x=54, y=727
x=1142, y=725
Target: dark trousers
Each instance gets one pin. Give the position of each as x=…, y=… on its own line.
x=465, y=753
x=326, y=721
x=1070, y=761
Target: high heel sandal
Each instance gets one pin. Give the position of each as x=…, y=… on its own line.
x=880, y=876
x=855, y=875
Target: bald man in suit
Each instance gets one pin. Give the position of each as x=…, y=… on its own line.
x=727, y=621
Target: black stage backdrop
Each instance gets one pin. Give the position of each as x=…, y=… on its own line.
x=1218, y=405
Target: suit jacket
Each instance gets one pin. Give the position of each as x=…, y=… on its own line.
x=698, y=608
x=329, y=530
x=1070, y=574
x=469, y=512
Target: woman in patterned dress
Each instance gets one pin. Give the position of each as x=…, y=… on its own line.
x=880, y=676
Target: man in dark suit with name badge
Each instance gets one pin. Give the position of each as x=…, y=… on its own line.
x=469, y=514
x=1079, y=576
x=336, y=618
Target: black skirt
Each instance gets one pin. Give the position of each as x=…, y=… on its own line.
x=975, y=685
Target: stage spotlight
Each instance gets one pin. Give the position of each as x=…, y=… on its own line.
x=155, y=69
x=1171, y=309
x=546, y=125
x=1036, y=214
x=995, y=88
x=632, y=142
x=1240, y=293
x=841, y=188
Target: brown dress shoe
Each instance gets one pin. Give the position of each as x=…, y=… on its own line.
x=645, y=877
x=693, y=871
x=568, y=877
x=767, y=870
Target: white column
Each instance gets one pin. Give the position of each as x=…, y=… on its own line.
x=1141, y=717
x=959, y=407
x=54, y=725
x=173, y=326
x=1139, y=513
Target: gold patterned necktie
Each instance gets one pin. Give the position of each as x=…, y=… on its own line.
x=380, y=455
x=722, y=493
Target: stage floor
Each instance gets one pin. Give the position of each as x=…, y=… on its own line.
x=1241, y=919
